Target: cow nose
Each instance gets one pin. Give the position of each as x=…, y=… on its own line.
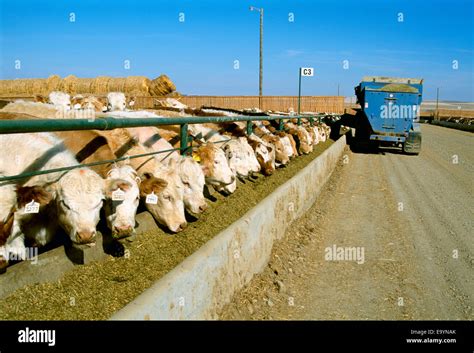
x=203, y=207
x=182, y=226
x=84, y=237
x=123, y=229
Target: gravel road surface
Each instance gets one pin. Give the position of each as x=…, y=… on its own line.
x=391, y=237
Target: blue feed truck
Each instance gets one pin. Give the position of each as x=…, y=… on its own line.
x=390, y=112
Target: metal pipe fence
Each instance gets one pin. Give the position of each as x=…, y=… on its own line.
x=110, y=123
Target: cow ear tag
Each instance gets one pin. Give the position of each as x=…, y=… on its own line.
x=196, y=157
x=118, y=195
x=32, y=207
x=151, y=198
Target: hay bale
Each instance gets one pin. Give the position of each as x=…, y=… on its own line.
x=53, y=83
x=69, y=84
x=84, y=85
x=101, y=85
x=116, y=84
x=161, y=86
x=37, y=86
x=139, y=85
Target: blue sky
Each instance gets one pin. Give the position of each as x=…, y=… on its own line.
x=199, y=53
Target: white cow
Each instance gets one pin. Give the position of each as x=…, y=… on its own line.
x=121, y=207
x=60, y=99
x=77, y=195
x=117, y=101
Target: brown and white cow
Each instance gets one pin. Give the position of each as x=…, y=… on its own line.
x=190, y=172
x=160, y=178
x=15, y=198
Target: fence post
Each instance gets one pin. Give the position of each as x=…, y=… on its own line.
x=249, y=128
x=280, y=125
x=311, y=121
x=183, y=134
x=299, y=120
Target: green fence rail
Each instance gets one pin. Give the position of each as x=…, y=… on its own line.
x=110, y=123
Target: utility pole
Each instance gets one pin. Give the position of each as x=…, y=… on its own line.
x=260, y=76
x=338, y=89
x=437, y=103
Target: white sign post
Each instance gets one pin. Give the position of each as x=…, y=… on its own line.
x=307, y=72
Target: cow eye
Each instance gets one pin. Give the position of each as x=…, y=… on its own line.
x=185, y=183
x=167, y=197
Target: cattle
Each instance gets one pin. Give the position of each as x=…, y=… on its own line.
x=214, y=165
x=168, y=205
x=131, y=102
x=161, y=178
x=265, y=155
x=121, y=208
x=91, y=146
x=302, y=138
x=288, y=144
x=98, y=104
x=241, y=157
x=77, y=195
x=193, y=181
x=116, y=101
x=14, y=199
x=8, y=203
x=77, y=101
x=60, y=99
x=190, y=172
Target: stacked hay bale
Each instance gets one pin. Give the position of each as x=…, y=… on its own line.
x=162, y=86
x=139, y=86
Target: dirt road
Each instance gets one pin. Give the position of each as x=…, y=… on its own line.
x=391, y=237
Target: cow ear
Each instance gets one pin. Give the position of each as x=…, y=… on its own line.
x=37, y=193
x=152, y=184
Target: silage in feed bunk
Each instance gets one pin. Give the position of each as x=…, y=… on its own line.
x=101, y=288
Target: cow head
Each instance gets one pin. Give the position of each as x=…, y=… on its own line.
x=131, y=102
x=117, y=101
x=60, y=99
x=122, y=201
x=80, y=194
x=165, y=183
x=99, y=104
x=193, y=181
x=265, y=157
x=302, y=140
x=214, y=165
x=77, y=102
x=285, y=140
x=241, y=157
x=281, y=155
